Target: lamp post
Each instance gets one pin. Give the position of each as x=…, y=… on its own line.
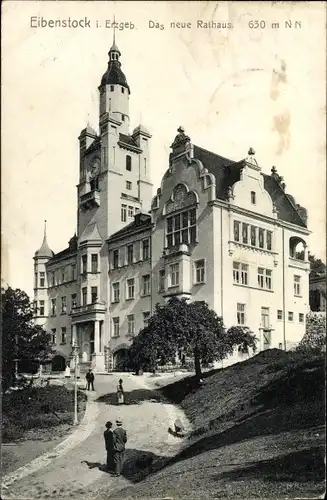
x=75, y=353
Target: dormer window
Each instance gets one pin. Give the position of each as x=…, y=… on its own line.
x=181, y=228
x=253, y=198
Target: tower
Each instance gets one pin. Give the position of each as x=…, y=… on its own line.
x=41, y=257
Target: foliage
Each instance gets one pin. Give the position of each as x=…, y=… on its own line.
x=189, y=329
x=314, y=338
x=317, y=267
x=21, y=338
x=37, y=408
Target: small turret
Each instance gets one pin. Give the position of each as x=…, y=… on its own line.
x=44, y=251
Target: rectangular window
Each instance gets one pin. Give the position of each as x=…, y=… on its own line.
x=130, y=254
x=265, y=320
x=128, y=185
x=84, y=296
x=63, y=275
x=253, y=236
x=181, y=228
x=130, y=212
x=297, y=285
x=73, y=272
x=301, y=318
x=174, y=275
x=41, y=307
x=116, y=292
x=130, y=288
x=63, y=305
x=130, y=324
x=244, y=274
x=253, y=197
x=84, y=264
x=146, y=317
x=53, y=336
x=269, y=239
x=290, y=316
x=35, y=280
x=94, y=294
x=162, y=276
x=53, y=278
x=123, y=213
x=146, y=284
x=63, y=335
x=115, y=322
x=53, y=307
x=279, y=314
x=128, y=163
x=199, y=271
x=245, y=231
x=42, y=279
x=94, y=263
x=261, y=238
x=264, y=278
x=236, y=230
x=236, y=272
x=241, y=314
x=145, y=249
x=73, y=299
x=115, y=259
x=112, y=88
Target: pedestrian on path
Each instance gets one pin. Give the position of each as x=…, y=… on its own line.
x=120, y=439
x=109, y=442
x=120, y=392
x=90, y=380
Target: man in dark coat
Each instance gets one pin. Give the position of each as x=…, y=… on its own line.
x=120, y=439
x=109, y=441
x=90, y=380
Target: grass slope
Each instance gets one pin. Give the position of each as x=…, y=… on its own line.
x=258, y=433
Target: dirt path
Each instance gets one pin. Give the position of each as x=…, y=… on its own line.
x=75, y=468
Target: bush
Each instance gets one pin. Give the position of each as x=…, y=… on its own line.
x=314, y=338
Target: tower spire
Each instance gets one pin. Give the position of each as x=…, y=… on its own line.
x=45, y=232
x=44, y=250
x=114, y=37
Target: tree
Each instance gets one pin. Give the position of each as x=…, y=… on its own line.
x=22, y=340
x=314, y=339
x=190, y=329
x=317, y=267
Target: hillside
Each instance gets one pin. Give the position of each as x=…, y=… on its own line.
x=258, y=433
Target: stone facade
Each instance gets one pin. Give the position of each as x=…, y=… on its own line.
x=216, y=230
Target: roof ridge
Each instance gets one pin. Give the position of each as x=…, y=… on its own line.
x=215, y=154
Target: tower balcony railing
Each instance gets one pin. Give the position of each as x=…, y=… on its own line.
x=90, y=199
x=95, y=307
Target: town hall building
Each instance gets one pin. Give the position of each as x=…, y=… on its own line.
x=216, y=230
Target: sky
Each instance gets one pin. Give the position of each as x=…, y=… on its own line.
x=254, y=84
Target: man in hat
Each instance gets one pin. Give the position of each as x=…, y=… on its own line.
x=109, y=441
x=119, y=441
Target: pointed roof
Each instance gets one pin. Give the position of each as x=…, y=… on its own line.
x=114, y=74
x=44, y=251
x=91, y=233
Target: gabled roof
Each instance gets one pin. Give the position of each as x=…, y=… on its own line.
x=141, y=222
x=227, y=172
x=128, y=140
x=96, y=144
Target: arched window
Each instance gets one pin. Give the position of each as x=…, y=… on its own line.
x=128, y=163
x=297, y=248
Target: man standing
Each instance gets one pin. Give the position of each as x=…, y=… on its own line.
x=120, y=439
x=90, y=380
x=109, y=441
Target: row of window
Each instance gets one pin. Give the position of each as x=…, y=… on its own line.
x=130, y=324
x=128, y=211
x=264, y=277
x=130, y=288
x=63, y=275
x=252, y=235
x=73, y=302
x=126, y=255
x=265, y=316
x=94, y=263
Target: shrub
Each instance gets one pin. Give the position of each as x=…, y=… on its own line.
x=314, y=338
